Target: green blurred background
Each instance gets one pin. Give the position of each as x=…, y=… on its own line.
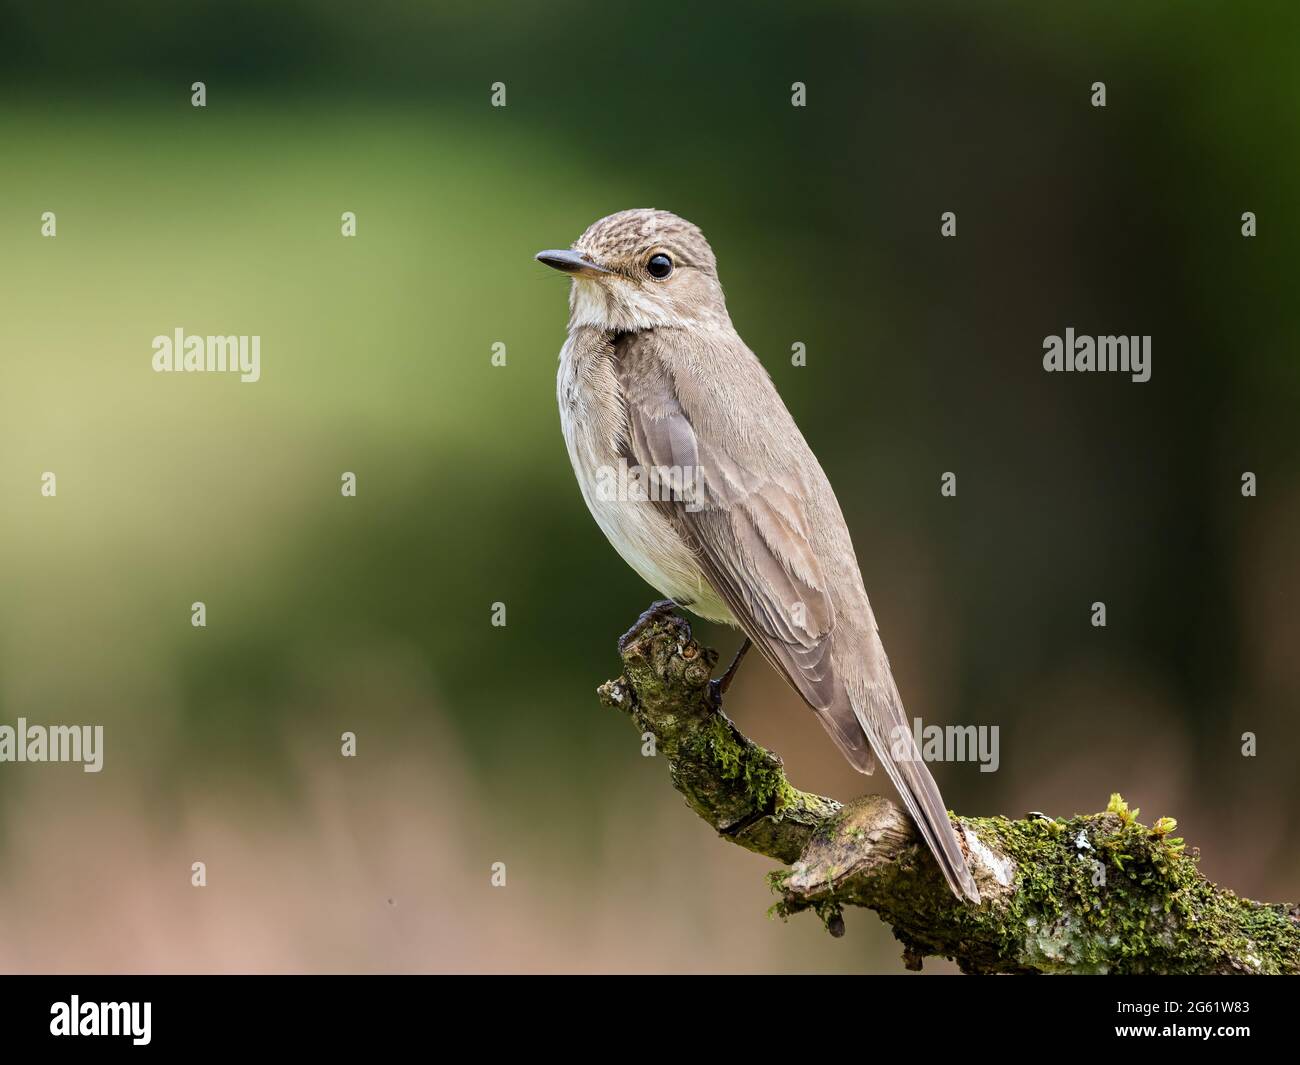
x=480, y=744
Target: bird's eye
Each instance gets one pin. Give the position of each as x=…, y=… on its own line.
x=659, y=266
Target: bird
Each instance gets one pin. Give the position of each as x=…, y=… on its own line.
x=697, y=474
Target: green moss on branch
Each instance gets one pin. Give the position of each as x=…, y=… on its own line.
x=1101, y=893
x=737, y=786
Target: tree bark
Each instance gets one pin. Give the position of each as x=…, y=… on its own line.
x=1099, y=893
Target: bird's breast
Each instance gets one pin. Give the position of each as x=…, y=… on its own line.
x=594, y=421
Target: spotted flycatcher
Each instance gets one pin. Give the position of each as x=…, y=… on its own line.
x=697, y=474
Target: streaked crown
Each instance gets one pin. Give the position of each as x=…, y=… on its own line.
x=628, y=235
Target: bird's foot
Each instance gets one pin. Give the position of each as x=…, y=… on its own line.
x=718, y=688
x=660, y=609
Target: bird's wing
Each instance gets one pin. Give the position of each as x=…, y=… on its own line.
x=749, y=531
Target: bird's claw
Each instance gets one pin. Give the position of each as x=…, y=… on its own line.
x=655, y=611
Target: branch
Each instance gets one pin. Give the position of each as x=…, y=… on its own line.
x=1100, y=893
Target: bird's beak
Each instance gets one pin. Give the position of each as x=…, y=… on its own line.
x=570, y=262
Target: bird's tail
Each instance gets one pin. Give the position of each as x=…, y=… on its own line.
x=879, y=714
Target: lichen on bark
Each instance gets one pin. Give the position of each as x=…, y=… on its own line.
x=1097, y=893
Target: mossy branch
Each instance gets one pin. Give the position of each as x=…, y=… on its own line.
x=1100, y=893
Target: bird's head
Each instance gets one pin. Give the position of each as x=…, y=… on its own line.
x=641, y=269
